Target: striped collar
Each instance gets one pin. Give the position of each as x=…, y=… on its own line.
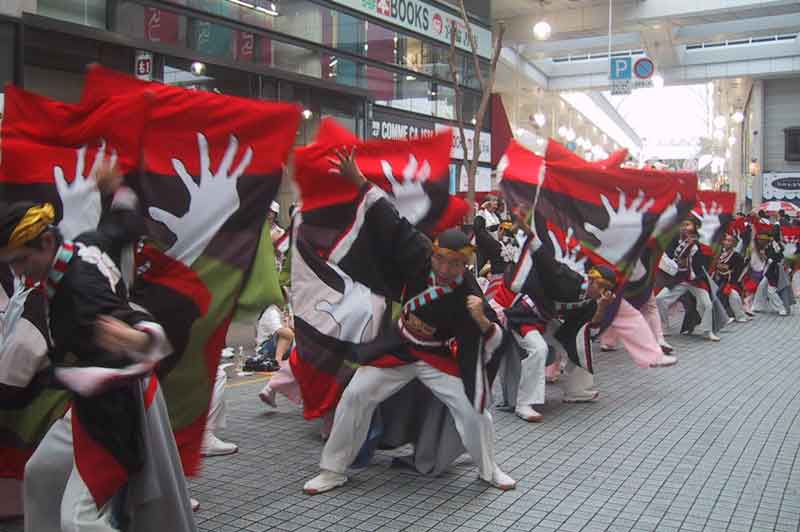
x=63, y=257
x=430, y=294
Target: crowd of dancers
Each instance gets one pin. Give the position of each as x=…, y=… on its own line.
x=472, y=303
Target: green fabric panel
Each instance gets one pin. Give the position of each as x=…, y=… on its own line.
x=187, y=388
x=262, y=287
x=31, y=423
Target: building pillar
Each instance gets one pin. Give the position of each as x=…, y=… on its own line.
x=756, y=133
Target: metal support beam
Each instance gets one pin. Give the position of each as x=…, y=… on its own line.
x=583, y=44
x=605, y=106
x=523, y=66
x=774, y=25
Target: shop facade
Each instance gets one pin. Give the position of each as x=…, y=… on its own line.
x=349, y=59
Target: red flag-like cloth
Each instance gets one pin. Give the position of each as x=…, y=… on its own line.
x=337, y=281
x=211, y=166
x=415, y=173
x=50, y=150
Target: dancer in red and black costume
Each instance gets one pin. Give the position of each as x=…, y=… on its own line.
x=728, y=272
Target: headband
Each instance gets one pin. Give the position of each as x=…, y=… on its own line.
x=35, y=220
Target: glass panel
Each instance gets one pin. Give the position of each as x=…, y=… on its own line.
x=150, y=23
x=400, y=91
x=215, y=79
x=445, y=98
x=352, y=34
x=296, y=59
x=85, y=12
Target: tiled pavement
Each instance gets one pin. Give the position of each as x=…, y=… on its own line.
x=711, y=444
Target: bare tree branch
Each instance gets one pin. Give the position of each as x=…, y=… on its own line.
x=473, y=44
x=486, y=85
x=459, y=103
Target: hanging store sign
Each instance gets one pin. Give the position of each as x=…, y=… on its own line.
x=425, y=19
x=144, y=65
x=781, y=186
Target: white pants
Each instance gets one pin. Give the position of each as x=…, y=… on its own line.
x=532, y=378
x=217, y=420
x=52, y=481
x=737, y=305
x=577, y=382
x=669, y=296
x=78, y=510
x=767, y=298
x=369, y=386
x=796, y=283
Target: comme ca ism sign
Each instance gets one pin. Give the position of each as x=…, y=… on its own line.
x=424, y=18
x=388, y=127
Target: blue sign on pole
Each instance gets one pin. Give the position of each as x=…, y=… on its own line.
x=620, y=68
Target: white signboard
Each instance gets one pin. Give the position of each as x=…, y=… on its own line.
x=781, y=185
x=483, y=180
x=426, y=19
x=456, y=152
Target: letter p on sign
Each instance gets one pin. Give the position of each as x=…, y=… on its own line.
x=620, y=68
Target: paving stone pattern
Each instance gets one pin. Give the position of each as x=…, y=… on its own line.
x=711, y=444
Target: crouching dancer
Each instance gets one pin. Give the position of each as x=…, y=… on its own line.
x=442, y=306
x=125, y=470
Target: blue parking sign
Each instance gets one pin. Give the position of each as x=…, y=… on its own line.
x=620, y=68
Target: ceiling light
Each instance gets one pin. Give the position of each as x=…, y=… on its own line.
x=307, y=114
x=542, y=30
x=410, y=78
x=562, y=132
x=540, y=119
x=738, y=117
x=198, y=68
x=719, y=122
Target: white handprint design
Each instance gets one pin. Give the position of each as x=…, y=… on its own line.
x=624, y=226
x=567, y=256
x=709, y=222
x=352, y=313
x=668, y=218
x=14, y=308
x=80, y=200
x=410, y=198
x=212, y=201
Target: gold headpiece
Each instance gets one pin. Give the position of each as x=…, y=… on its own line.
x=35, y=220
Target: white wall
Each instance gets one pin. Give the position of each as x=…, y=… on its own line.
x=781, y=110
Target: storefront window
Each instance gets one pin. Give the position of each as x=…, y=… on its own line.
x=445, y=100
x=296, y=59
x=214, y=79
x=356, y=35
x=85, y=12
x=406, y=91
